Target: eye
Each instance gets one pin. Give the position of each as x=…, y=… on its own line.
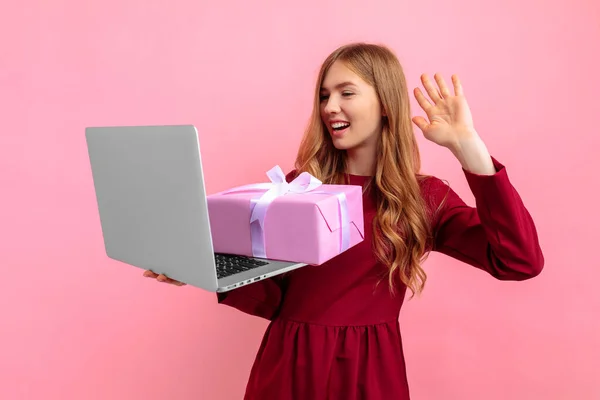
x=323, y=97
x=347, y=93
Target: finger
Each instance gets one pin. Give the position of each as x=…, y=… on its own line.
x=458, y=89
x=432, y=91
x=150, y=274
x=421, y=123
x=422, y=100
x=444, y=91
x=166, y=279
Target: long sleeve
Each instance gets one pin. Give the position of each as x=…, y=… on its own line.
x=497, y=236
x=261, y=299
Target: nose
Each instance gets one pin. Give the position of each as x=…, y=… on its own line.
x=331, y=106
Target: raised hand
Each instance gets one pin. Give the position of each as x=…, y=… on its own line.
x=450, y=119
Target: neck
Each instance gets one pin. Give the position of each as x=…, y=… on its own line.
x=361, y=161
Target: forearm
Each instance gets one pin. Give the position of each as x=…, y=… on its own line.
x=473, y=155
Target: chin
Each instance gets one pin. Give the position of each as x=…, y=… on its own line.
x=343, y=144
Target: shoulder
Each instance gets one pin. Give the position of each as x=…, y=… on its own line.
x=432, y=187
x=438, y=197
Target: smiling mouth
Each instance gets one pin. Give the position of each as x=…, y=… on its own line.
x=339, y=126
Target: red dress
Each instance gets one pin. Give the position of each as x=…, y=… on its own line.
x=333, y=335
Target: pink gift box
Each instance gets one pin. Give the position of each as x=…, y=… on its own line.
x=298, y=227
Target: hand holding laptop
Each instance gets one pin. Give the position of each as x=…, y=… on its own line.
x=162, y=278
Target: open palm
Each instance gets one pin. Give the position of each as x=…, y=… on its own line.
x=449, y=115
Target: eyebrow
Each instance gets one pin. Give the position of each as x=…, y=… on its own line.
x=340, y=85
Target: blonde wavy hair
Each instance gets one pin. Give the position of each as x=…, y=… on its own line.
x=401, y=227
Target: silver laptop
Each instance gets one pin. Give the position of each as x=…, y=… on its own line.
x=153, y=210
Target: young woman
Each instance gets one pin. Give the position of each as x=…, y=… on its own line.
x=334, y=331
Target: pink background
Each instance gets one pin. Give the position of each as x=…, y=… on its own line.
x=76, y=325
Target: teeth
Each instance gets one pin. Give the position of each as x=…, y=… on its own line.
x=337, y=125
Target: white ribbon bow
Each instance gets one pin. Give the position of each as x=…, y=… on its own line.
x=303, y=183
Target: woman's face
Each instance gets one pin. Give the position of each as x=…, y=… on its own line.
x=350, y=108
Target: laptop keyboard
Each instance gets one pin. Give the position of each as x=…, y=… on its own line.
x=228, y=264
